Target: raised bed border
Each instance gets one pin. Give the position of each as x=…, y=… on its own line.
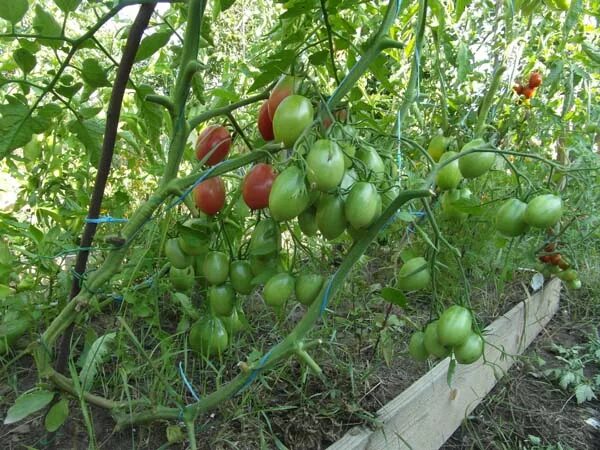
x=426, y=414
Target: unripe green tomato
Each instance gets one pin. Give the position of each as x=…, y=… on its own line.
x=235, y=322
x=454, y=326
x=414, y=275
x=470, y=350
x=543, y=211
x=208, y=336
x=308, y=221
x=416, y=346
x=216, y=267
x=182, y=279
x=349, y=151
x=432, y=343
x=240, y=273
x=330, y=216
x=451, y=198
x=192, y=245
x=293, y=115
x=372, y=163
x=437, y=146
x=325, y=165
x=308, y=286
x=449, y=176
x=568, y=275
x=363, y=205
x=289, y=195
x=278, y=289
x=473, y=165
x=573, y=284
x=175, y=255
x=510, y=218
x=221, y=299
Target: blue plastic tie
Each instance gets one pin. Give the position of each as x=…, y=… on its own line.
x=187, y=383
x=105, y=219
x=118, y=298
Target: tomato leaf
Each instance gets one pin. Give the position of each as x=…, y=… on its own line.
x=13, y=10
x=25, y=60
x=67, y=5
x=151, y=44
x=93, y=73
x=394, y=296
x=27, y=404
x=98, y=353
x=57, y=415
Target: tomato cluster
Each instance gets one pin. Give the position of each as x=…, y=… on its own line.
x=527, y=91
x=451, y=333
x=556, y=264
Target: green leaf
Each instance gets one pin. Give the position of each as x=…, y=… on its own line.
x=15, y=128
x=319, y=58
x=394, y=296
x=151, y=44
x=460, y=7
x=100, y=350
x=226, y=4
x=27, y=404
x=24, y=59
x=464, y=62
x=89, y=132
x=57, y=415
x=592, y=52
x=13, y=10
x=5, y=291
x=67, y=5
x=573, y=16
x=45, y=24
x=584, y=393
x=93, y=73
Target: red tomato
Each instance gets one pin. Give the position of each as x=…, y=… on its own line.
x=545, y=259
x=257, y=186
x=535, y=79
x=265, y=124
x=215, y=140
x=340, y=115
x=210, y=196
x=518, y=89
x=528, y=92
x=555, y=259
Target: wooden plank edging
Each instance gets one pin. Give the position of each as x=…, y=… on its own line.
x=426, y=414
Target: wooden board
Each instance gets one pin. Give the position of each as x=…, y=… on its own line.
x=426, y=414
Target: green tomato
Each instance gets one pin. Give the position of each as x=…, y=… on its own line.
x=363, y=205
x=372, y=163
x=221, y=299
x=510, y=218
x=476, y=164
x=308, y=286
x=240, y=274
x=573, y=284
x=266, y=238
x=568, y=275
x=175, y=255
x=308, y=221
x=289, y=195
x=416, y=346
x=449, y=176
x=543, y=211
x=236, y=321
x=11, y=330
x=449, y=202
x=293, y=115
x=454, y=326
x=414, y=275
x=208, y=336
x=349, y=151
x=325, y=165
x=431, y=342
x=330, y=216
x=470, y=350
x=264, y=263
x=278, y=289
x=437, y=146
x=182, y=279
x=216, y=267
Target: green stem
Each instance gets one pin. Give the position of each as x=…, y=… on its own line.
x=486, y=104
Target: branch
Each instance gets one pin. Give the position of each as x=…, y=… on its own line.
x=329, y=40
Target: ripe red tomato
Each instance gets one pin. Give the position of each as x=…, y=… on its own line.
x=210, y=196
x=535, y=80
x=544, y=258
x=518, y=89
x=265, y=124
x=257, y=186
x=555, y=259
x=215, y=140
x=528, y=92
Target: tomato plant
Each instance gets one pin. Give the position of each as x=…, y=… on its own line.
x=213, y=145
x=257, y=186
x=210, y=195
